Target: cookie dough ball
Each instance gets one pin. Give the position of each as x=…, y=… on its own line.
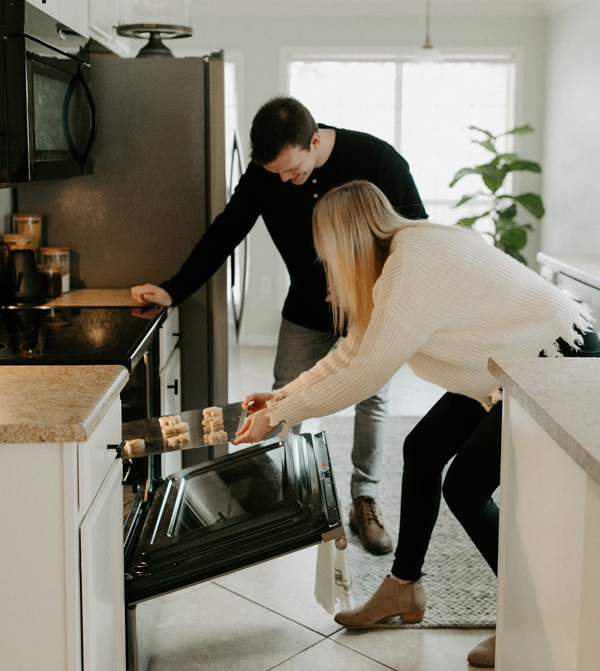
x=216, y=424
x=213, y=411
x=135, y=444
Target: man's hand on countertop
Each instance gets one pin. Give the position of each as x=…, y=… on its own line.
x=150, y=293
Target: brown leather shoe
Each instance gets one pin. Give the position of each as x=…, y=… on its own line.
x=365, y=522
x=484, y=654
x=390, y=600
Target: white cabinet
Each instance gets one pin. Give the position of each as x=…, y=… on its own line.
x=170, y=380
x=57, y=491
x=548, y=591
x=74, y=13
x=50, y=7
x=103, y=20
x=169, y=337
x=102, y=581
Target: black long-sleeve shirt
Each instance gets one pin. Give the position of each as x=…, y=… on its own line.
x=287, y=210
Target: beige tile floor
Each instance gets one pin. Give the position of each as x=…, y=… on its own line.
x=265, y=617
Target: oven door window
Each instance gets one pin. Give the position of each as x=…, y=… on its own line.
x=56, y=101
x=230, y=492
x=233, y=512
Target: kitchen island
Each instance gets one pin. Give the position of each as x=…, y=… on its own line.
x=61, y=575
x=548, y=584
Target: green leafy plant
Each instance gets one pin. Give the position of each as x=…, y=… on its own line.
x=509, y=235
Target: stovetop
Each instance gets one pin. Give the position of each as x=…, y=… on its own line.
x=63, y=336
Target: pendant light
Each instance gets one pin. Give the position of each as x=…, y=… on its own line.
x=427, y=53
x=155, y=20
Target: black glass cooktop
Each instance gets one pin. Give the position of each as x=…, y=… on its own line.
x=62, y=336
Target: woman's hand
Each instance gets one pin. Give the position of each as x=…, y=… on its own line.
x=150, y=293
x=256, y=402
x=255, y=428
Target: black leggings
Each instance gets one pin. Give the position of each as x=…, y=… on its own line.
x=456, y=426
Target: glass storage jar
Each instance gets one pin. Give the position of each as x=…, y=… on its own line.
x=58, y=256
x=29, y=224
x=16, y=241
x=51, y=274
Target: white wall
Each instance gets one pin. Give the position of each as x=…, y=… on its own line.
x=260, y=39
x=572, y=137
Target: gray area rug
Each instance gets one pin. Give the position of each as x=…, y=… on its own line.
x=460, y=586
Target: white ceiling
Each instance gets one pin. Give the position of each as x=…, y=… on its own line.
x=381, y=7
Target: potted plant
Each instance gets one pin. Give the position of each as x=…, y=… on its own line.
x=509, y=235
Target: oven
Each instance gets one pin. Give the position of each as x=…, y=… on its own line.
x=48, y=118
x=233, y=511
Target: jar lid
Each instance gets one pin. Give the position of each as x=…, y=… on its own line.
x=53, y=250
x=18, y=241
x=26, y=217
x=11, y=237
x=50, y=267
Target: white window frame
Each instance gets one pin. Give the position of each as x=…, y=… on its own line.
x=400, y=55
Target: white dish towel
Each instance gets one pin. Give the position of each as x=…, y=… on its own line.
x=333, y=581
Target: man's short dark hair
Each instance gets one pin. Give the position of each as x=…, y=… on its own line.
x=281, y=122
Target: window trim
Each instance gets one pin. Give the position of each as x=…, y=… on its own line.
x=490, y=54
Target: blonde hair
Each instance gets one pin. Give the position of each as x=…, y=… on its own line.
x=353, y=228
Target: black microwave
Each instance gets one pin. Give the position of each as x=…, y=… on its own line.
x=47, y=113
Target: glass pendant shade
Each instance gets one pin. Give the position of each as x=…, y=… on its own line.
x=427, y=53
x=152, y=12
x=155, y=20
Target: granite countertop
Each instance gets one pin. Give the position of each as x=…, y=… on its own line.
x=583, y=267
x=563, y=396
x=94, y=298
x=56, y=404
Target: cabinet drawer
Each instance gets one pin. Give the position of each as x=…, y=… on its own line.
x=168, y=336
x=95, y=459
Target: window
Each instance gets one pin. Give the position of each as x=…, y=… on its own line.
x=424, y=111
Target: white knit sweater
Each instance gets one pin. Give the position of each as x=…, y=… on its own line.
x=445, y=303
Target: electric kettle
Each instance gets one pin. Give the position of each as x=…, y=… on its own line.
x=22, y=284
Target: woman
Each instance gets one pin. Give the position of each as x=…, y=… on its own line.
x=445, y=301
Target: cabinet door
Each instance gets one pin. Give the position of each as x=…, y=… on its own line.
x=50, y=7
x=168, y=336
x=170, y=404
x=104, y=18
x=74, y=13
x=102, y=578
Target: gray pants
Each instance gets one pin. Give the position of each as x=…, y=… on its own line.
x=298, y=350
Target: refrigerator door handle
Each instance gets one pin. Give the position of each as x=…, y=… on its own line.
x=236, y=159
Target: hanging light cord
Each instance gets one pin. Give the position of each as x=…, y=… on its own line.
x=427, y=41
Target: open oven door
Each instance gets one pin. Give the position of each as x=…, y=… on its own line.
x=232, y=512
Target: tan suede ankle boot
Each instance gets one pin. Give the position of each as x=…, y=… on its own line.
x=391, y=599
x=484, y=654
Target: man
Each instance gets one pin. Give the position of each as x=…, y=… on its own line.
x=294, y=163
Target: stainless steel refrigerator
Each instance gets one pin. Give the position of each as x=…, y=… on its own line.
x=161, y=175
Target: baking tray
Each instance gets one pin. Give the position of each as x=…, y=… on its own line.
x=149, y=430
